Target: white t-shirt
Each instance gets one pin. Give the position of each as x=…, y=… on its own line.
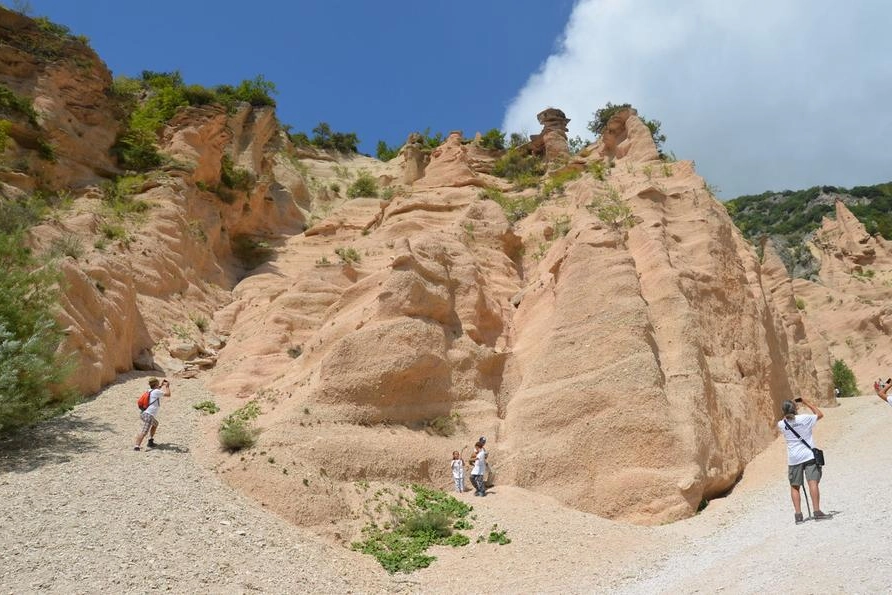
x=154, y=402
x=479, y=463
x=796, y=451
x=458, y=468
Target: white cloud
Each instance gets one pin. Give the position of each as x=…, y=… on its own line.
x=761, y=94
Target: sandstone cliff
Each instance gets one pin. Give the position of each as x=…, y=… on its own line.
x=622, y=346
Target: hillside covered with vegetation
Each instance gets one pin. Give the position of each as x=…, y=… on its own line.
x=790, y=217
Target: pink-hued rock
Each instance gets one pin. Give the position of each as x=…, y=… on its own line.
x=622, y=347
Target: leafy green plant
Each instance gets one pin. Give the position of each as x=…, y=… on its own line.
x=385, y=152
x=517, y=139
x=208, y=407
x=515, y=207
x=428, y=519
x=612, y=210
x=348, y=255
x=364, y=185
x=603, y=115
x=800, y=304
x=237, y=430
x=67, y=245
x=561, y=225
x=31, y=369
x=493, y=139
x=46, y=150
x=844, y=379
x=557, y=181
x=519, y=168
x=598, y=169
x=495, y=536
x=233, y=177
x=13, y=104
x=5, y=127
x=200, y=322
x=444, y=425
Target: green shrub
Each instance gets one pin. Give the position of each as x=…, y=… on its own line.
x=444, y=425
x=12, y=104
x=46, y=150
x=118, y=194
x=237, y=430
x=207, y=406
x=348, y=255
x=611, y=209
x=327, y=139
x=19, y=214
x=385, y=152
x=800, y=304
x=5, y=127
x=844, y=379
x=493, y=139
x=425, y=521
x=557, y=182
x=233, y=177
x=603, y=115
x=67, y=245
x=30, y=367
x=523, y=170
x=496, y=536
x=364, y=185
x=515, y=208
x=598, y=170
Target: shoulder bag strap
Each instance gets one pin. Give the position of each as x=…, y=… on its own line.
x=795, y=433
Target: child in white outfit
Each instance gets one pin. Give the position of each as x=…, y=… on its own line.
x=458, y=472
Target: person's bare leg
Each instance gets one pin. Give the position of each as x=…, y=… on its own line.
x=797, y=501
x=139, y=438
x=815, y=492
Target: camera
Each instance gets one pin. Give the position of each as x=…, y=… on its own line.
x=798, y=399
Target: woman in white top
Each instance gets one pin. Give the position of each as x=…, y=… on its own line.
x=800, y=457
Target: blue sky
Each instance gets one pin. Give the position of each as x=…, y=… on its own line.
x=761, y=94
x=381, y=69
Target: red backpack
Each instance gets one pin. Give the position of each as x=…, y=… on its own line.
x=143, y=401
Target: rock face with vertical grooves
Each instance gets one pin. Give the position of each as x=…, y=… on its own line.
x=621, y=346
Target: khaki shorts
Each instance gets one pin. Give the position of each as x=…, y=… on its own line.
x=809, y=469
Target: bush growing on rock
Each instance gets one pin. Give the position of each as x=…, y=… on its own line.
x=29, y=338
x=237, y=430
x=844, y=379
x=599, y=122
x=493, y=139
x=364, y=185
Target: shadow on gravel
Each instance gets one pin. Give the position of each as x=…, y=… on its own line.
x=50, y=442
x=170, y=448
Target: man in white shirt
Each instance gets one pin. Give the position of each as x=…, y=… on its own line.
x=149, y=417
x=800, y=456
x=479, y=468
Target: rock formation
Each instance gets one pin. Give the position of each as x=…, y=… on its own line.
x=623, y=335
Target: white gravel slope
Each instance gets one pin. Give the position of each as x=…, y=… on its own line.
x=82, y=513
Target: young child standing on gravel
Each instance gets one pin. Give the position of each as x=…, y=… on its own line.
x=458, y=472
x=149, y=417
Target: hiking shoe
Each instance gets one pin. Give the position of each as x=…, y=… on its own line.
x=822, y=516
x=136, y=448
x=798, y=518
x=151, y=443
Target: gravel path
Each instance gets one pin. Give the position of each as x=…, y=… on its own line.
x=82, y=513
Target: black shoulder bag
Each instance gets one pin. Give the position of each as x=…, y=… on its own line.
x=819, y=454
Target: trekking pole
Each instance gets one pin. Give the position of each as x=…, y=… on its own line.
x=807, y=505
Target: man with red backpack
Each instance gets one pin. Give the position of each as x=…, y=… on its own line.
x=149, y=416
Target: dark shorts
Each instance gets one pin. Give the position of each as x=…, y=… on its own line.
x=809, y=469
